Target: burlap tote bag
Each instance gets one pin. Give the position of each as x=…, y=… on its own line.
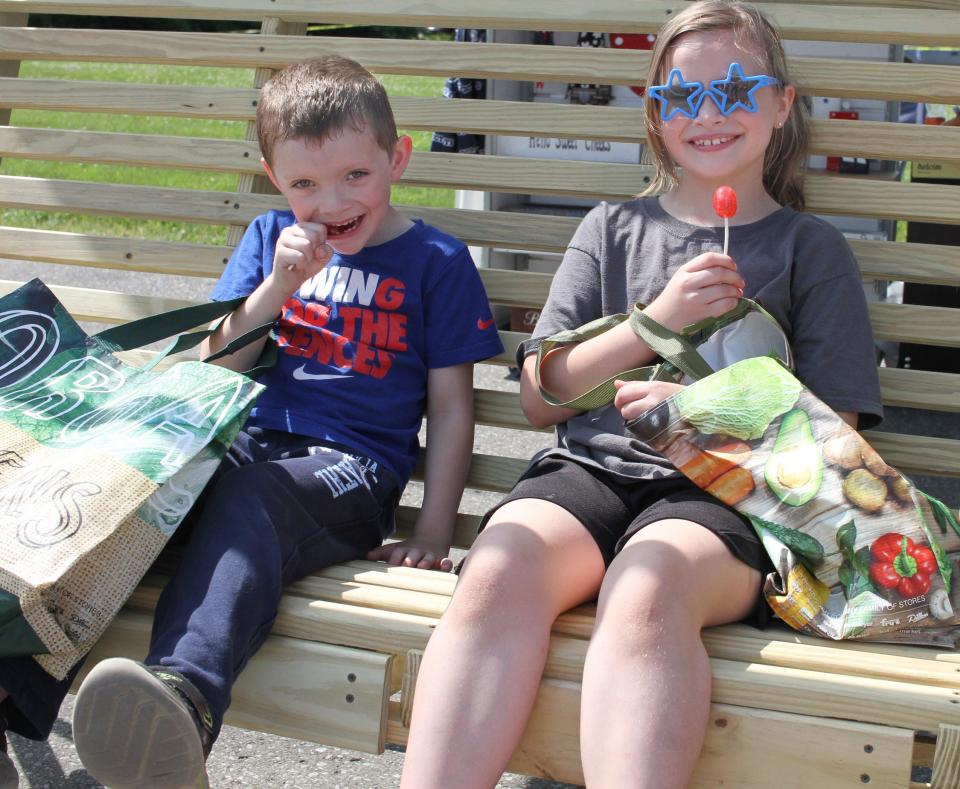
x=99, y=463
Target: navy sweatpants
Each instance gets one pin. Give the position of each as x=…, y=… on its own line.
x=278, y=508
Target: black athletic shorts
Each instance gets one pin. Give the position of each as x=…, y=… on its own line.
x=613, y=510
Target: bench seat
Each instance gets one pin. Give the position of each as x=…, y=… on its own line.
x=821, y=713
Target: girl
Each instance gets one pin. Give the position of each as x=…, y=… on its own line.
x=601, y=515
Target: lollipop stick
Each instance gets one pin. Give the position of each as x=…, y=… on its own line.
x=726, y=234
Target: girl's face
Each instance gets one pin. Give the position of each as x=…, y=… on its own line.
x=712, y=147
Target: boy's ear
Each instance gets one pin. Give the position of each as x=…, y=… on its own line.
x=269, y=172
x=402, y=149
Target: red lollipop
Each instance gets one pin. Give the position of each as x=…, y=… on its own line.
x=725, y=204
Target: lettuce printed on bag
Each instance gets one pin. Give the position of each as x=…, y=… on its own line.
x=741, y=400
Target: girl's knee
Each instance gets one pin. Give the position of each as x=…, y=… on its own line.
x=649, y=589
x=503, y=573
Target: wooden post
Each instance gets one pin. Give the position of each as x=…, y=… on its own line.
x=946, y=759
x=409, y=687
x=10, y=68
x=247, y=183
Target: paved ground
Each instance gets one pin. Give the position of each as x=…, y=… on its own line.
x=240, y=760
x=252, y=759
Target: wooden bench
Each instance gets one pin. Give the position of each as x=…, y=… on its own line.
x=341, y=665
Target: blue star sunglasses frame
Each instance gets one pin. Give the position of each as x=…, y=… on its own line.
x=733, y=92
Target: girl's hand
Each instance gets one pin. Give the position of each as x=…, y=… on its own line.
x=636, y=397
x=302, y=252
x=705, y=287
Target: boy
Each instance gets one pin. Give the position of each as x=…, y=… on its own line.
x=377, y=315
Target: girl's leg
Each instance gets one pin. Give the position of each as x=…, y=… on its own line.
x=482, y=667
x=646, y=683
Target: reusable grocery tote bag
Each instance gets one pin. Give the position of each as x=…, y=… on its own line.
x=99, y=463
x=859, y=551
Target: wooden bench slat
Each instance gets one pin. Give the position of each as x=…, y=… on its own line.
x=369, y=588
x=926, y=263
x=935, y=264
x=911, y=388
x=272, y=693
x=918, y=454
x=464, y=530
x=907, y=388
x=775, y=646
x=625, y=124
x=896, y=25
x=827, y=194
x=128, y=98
x=814, y=76
x=746, y=748
x=943, y=5
x=913, y=323
x=134, y=150
x=763, y=685
x=781, y=633
x=920, y=389
x=123, y=254
x=909, y=322
x=394, y=630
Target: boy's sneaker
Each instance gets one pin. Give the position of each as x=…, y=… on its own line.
x=9, y=778
x=142, y=727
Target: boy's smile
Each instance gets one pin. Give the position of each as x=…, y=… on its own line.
x=342, y=183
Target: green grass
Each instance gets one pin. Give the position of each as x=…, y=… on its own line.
x=186, y=127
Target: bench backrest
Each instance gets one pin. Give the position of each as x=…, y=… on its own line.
x=282, y=25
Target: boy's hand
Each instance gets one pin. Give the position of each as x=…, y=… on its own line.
x=302, y=252
x=705, y=287
x=413, y=553
x=636, y=397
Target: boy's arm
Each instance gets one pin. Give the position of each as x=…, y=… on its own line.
x=301, y=253
x=449, y=445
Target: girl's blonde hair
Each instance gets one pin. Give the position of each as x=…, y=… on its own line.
x=785, y=158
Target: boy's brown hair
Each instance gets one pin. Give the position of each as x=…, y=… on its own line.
x=317, y=98
x=785, y=160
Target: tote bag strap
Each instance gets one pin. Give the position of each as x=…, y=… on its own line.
x=178, y=323
x=673, y=348
x=153, y=328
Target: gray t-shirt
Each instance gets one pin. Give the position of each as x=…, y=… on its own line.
x=796, y=265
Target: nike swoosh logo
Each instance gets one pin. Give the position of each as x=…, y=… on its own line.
x=481, y=324
x=301, y=374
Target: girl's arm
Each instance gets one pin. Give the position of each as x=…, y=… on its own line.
x=706, y=286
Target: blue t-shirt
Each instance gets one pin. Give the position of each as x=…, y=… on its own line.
x=356, y=341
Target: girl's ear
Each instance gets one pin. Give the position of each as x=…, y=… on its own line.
x=402, y=149
x=269, y=172
x=785, y=102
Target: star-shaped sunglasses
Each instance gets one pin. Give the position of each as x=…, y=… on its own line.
x=729, y=94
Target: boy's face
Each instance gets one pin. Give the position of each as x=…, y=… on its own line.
x=344, y=184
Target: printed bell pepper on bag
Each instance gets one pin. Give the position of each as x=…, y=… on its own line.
x=898, y=562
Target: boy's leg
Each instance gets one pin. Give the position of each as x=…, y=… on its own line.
x=33, y=697
x=481, y=669
x=646, y=683
x=29, y=702
x=262, y=526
